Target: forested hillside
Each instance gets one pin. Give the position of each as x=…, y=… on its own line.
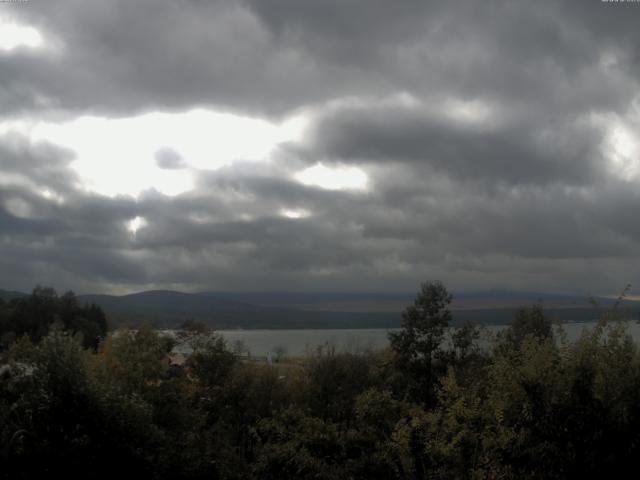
x=531, y=406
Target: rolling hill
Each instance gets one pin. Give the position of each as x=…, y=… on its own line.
x=229, y=310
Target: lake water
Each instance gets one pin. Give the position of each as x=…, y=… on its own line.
x=299, y=342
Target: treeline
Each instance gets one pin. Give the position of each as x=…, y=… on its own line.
x=433, y=405
x=35, y=315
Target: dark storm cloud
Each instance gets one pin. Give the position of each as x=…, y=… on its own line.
x=123, y=57
x=201, y=238
x=38, y=180
x=518, y=151
x=351, y=34
x=79, y=233
x=519, y=193
x=53, y=228
x=274, y=56
x=43, y=165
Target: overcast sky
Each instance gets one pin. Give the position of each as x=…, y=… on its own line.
x=354, y=145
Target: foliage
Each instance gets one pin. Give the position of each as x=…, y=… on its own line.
x=35, y=315
x=530, y=405
x=334, y=380
x=417, y=346
x=528, y=321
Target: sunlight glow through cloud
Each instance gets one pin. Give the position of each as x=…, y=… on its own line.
x=333, y=178
x=13, y=35
x=623, y=149
x=119, y=156
x=295, y=213
x=473, y=112
x=136, y=224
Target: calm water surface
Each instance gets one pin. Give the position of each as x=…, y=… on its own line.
x=299, y=342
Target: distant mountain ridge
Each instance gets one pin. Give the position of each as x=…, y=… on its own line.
x=10, y=294
x=271, y=310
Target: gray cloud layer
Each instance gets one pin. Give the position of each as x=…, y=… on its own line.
x=519, y=194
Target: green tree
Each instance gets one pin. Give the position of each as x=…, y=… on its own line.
x=417, y=346
x=335, y=379
x=527, y=322
x=34, y=315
